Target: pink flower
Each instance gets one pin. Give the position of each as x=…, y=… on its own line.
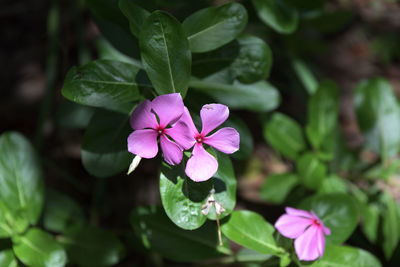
x=201, y=165
x=150, y=120
x=307, y=229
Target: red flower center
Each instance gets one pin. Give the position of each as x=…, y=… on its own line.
x=199, y=138
x=316, y=222
x=160, y=130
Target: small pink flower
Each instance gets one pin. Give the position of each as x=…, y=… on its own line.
x=201, y=166
x=307, y=229
x=150, y=120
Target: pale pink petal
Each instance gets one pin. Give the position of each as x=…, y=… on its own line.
x=143, y=143
x=320, y=241
x=300, y=213
x=169, y=108
x=292, y=226
x=212, y=116
x=142, y=117
x=181, y=134
x=172, y=152
x=325, y=229
x=201, y=166
x=187, y=119
x=225, y=140
x=306, y=245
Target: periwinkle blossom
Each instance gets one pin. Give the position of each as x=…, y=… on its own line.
x=307, y=230
x=159, y=119
x=201, y=166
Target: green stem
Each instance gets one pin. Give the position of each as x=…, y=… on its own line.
x=53, y=21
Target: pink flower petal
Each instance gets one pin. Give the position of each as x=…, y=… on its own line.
x=212, y=116
x=181, y=134
x=187, y=119
x=169, y=108
x=320, y=242
x=201, y=166
x=300, y=213
x=292, y=226
x=325, y=229
x=143, y=143
x=306, y=245
x=171, y=151
x=225, y=140
x=142, y=117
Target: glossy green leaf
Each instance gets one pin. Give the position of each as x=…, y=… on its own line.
x=61, y=212
x=344, y=256
x=114, y=26
x=284, y=135
x=135, y=14
x=250, y=230
x=183, y=198
x=159, y=234
x=73, y=115
x=277, y=14
x=165, y=53
x=311, y=171
x=370, y=221
x=276, y=187
x=92, y=246
x=246, y=139
x=39, y=249
x=260, y=96
x=305, y=75
x=107, y=51
x=104, y=145
x=212, y=27
x=323, y=110
x=249, y=255
x=332, y=184
x=378, y=116
x=7, y=258
x=21, y=184
x=103, y=83
x=254, y=60
x=390, y=226
x=338, y=212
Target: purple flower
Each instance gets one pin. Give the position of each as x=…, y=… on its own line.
x=201, y=165
x=150, y=120
x=307, y=229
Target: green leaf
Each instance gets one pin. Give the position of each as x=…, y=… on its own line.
x=107, y=51
x=344, y=256
x=165, y=53
x=250, y=230
x=7, y=258
x=378, y=116
x=103, y=83
x=338, y=212
x=61, y=212
x=249, y=255
x=323, y=110
x=305, y=75
x=370, y=221
x=183, y=198
x=104, y=145
x=159, y=234
x=246, y=139
x=212, y=27
x=277, y=14
x=332, y=184
x=276, y=187
x=254, y=60
x=135, y=14
x=21, y=184
x=390, y=226
x=92, y=246
x=260, y=96
x=311, y=171
x=72, y=115
x=284, y=135
x=37, y=249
